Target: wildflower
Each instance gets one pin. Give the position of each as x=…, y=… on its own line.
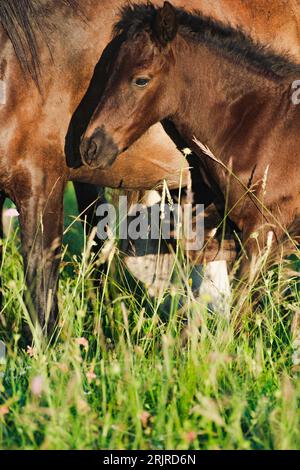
x=186, y=151
x=12, y=212
x=4, y=410
x=82, y=342
x=144, y=417
x=37, y=385
x=31, y=351
x=191, y=436
x=91, y=375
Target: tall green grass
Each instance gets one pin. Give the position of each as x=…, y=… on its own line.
x=121, y=374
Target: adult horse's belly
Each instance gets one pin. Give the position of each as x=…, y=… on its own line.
x=145, y=165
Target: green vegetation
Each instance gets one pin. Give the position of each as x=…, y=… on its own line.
x=120, y=375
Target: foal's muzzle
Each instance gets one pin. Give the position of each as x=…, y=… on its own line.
x=99, y=150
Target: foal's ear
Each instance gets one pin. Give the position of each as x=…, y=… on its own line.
x=165, y=24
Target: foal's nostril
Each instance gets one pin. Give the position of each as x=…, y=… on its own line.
x=92, y=151
x=99, y=150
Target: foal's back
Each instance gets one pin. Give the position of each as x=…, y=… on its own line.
x=275, y=22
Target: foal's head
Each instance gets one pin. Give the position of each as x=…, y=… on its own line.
x=135, y=95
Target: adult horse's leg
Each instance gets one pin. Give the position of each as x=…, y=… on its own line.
x=41, y=221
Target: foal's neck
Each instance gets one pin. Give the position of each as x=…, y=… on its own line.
x=221, y=101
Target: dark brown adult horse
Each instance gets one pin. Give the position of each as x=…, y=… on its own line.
x=48, y=51
x=213, y=83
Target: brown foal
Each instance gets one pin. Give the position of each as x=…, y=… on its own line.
x=213, y=83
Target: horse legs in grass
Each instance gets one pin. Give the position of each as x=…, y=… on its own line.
x=41, y=222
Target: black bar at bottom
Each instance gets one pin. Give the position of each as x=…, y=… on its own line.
x=149, y=459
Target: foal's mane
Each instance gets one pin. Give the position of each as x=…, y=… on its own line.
x=229, y=41
x=21, y=19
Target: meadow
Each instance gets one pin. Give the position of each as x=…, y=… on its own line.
x=124, y=373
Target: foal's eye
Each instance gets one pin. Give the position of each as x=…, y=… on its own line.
x=141, y=82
